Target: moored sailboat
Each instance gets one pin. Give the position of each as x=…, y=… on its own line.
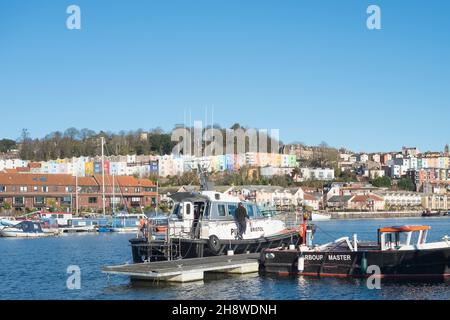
x=24, y=229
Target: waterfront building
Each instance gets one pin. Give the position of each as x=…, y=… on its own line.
x=338, y=202
x=404, y=199
x=30, y=191
x=436, y=202
x=368, y=202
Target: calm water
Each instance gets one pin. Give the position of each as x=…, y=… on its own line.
x=36, y=269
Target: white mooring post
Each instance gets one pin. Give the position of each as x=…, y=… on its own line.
x=355, y=242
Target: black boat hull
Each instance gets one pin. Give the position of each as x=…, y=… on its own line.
x=143, y=250
x=413, y=264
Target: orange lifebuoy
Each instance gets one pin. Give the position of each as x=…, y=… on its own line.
x=300, y=230
x=161, y=229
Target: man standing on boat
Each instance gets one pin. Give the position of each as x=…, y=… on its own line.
x=241, y=220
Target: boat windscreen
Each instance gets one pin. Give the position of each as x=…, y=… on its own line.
x=29, y=226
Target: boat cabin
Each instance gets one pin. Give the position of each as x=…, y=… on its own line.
x=29, y=227
x=61, y=218
x=200, y=215
x=396, y=238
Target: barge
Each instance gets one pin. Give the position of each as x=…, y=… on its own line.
x=401, y=252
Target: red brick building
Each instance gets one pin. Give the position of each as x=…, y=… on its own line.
x=26, y=190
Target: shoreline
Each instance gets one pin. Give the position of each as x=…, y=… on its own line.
x=375, y=215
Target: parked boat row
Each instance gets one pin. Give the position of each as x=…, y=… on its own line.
x=52, y=224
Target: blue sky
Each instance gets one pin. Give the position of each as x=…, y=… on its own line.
x=310, y=68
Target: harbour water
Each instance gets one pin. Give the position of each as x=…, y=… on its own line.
x=37, y=269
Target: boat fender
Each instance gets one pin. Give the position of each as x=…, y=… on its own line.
x=214, y=244
x=301, y=263
x=364, y=264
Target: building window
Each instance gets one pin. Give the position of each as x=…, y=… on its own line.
x=44, y=189
x=69, y=189
x=137, y=190
x=19, y=200
x=66, y=200
x=2, y=189
x=23, y=189
x=92, y=200
x=39, y=200
x=2, y=201
x=35, y=188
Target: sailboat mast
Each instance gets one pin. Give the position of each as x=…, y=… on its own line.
x=157, y=196
x=76, y=194
x=114, y=195
x=103, y=176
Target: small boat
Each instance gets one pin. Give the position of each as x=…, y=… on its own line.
x=126, y=223
x=400, y=253
x=79, y=225
x=104, y=229
x=320, y=217
x=430, y=214
x=24, y=229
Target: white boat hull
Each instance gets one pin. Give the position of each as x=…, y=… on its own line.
x=320, y=217
x=15, y=233
x=125, y=230
x=78, y=229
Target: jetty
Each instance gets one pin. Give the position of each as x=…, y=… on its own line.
x=187, y=270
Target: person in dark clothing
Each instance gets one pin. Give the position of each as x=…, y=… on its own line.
x=241, y=216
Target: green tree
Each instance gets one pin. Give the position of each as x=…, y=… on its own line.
x=7, y=144
x=406, y=184
x=382, y=182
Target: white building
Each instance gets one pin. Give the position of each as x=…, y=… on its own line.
x=402, y=198
x=269, y=171
x=323, y=174
x=363, y=158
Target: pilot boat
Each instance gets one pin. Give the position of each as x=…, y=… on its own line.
x=203, y=224
x=402, y=252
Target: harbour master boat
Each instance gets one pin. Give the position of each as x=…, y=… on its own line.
x=401, y=253
x=203, y=224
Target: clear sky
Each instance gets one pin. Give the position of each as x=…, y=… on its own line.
x=309, y=68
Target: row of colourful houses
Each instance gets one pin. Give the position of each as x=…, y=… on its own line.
x=164, y=166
